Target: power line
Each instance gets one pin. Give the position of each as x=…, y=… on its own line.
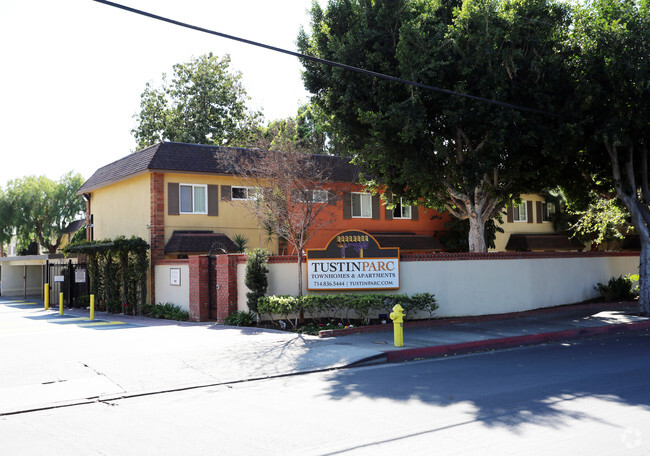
x=324, y=61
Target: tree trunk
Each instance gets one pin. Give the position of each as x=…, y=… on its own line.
x=476, y=234
x=644, y=279
x=301, y=312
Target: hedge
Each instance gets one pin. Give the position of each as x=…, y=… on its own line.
x=345, y=306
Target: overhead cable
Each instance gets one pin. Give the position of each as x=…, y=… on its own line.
x=324, y=61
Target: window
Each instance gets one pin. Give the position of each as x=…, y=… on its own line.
x=362, y=205
x=243, y=193
x=519, y=212
x=317, y=196
x=193, y=199
x=402, y=211
x=548, y=211
x=320, y=196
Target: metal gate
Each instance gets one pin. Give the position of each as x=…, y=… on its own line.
x=70, y=279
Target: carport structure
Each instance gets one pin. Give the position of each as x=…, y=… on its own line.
x=22, y=276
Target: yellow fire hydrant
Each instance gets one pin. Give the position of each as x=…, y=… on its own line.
x=397, y=315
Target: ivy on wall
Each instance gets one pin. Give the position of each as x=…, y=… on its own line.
x=118, y=272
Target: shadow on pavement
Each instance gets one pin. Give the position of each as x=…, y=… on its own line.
x=512, y=388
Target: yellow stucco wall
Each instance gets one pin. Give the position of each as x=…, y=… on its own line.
x=233, y=217
x=521, y=227
x=122, y=209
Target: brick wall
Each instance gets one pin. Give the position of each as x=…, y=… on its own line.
x=156, y=225
x=227, y=282
x=200, y=287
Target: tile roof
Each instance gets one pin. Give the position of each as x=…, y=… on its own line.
x=182, y=157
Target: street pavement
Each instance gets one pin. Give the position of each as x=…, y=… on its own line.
x=49, y=360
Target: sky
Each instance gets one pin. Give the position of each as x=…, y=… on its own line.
x=72, y=72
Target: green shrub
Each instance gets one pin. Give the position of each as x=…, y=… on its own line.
x=241, y=318
x=166, y=311
x=339, y=306
x=617, y=289
x=256, y=277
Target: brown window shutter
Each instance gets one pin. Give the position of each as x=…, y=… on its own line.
x=225, y=193
x=213, y=200
x=347, y=205
x=375, y=207
x=529, y=210
x=414, y=213
x=173, y=195
x=510, y=217
x=538, y=207
x=332, y=197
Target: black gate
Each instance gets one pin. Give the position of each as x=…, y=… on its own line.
x=70, y=279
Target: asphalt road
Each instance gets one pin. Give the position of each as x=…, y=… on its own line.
x=583, y=397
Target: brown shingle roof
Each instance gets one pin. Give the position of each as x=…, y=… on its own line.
x=181, y=157
x=543, y=242
x=408, y=241
x=199, y=242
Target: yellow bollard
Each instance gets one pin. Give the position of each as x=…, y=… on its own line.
x=92, y=306
x=46, y=296
x=61, y=303
x=397, y=315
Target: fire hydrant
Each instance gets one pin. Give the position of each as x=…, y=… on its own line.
x=397, y=315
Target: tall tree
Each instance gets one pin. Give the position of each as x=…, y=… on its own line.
x=445, y=151
x=610, y=44
x=308, y=131
x=6, y=222
x=204, y=103
x=42, y=208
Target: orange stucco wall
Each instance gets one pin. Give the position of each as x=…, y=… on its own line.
x=429, y=222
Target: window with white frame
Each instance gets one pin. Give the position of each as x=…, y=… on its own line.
x=520, y=213
x=320, y=196
x=243, y=193
x=548, y=211
x=401, y=211
x=361, y=205
x=193, y=199
x=317, y=196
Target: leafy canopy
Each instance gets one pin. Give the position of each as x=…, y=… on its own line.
x=204, y=103
x=40, y=209
x=468, y=157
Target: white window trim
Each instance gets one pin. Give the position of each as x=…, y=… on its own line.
x=250, y=193
x=517, y=215
x=402, y=207
x=180, y=198
x=362, y=207
x=320, y=196
x=546, y=215
x=317, y=197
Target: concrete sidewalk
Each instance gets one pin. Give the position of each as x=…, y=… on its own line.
x=48, y=360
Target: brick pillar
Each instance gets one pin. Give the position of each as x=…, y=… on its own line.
x=156, y=226
x=200, y=288
x=227, y=285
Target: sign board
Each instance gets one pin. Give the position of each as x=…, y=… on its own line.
x=59, y=278
x=353, y=260
x=80, y=276
x=175, y=277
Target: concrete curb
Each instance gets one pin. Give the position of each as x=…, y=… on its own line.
x=477, y=319
x=438, y=351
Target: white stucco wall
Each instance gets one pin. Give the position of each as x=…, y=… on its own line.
x=485, y=286
x=174, y=294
